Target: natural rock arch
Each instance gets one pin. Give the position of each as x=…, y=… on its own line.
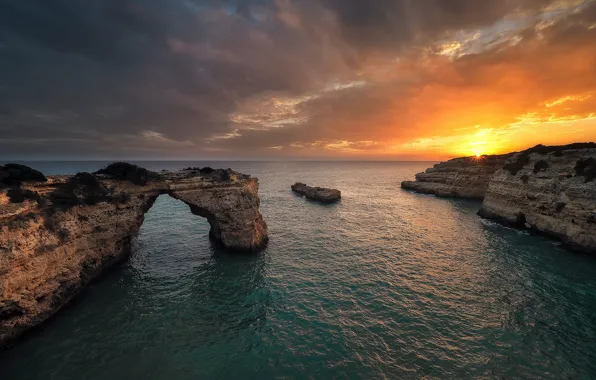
x=52, y=246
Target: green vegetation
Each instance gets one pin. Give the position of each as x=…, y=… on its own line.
x=83, y=189
x=224, y=175
x=540, y=166
x=128, y=172
x=205, y=170
x=18, y=195
x=514, y=166
x=13, y=175
x=586, y=168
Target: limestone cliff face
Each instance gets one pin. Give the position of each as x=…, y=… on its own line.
x=551, y=190
x=465, y=177
x=232, y=211
x=49, y=252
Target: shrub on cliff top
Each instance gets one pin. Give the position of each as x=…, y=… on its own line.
x=12, y=175
x=540, y=166
x=514, y=166
x=205, y=170
x=18, y=195
x=83, y=189
x=128, y=172
x=586, y=168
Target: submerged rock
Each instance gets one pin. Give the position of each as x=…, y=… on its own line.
x=465, y=177
x=318, y=194
x=54, y=243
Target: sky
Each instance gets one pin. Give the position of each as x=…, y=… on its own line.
x=294, y=79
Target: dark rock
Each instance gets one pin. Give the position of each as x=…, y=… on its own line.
x=318, y=194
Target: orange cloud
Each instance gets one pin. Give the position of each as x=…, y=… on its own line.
x=539, y=89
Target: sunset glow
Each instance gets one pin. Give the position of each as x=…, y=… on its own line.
x=303, y=80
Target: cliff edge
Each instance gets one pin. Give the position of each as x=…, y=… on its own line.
x=548, y=189
x=57, y=233
x=465, y=177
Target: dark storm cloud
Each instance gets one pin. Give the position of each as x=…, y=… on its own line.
x=398, y=22
x=152, y=77
x=109, y=66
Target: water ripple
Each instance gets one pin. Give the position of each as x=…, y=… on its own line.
x=386, y=284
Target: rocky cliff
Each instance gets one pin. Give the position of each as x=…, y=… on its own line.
x=58, y=233
x=548, y=189
x=465, y=177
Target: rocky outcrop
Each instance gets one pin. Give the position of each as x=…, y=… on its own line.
x=465, y=177
x=551, y=190
x=318, y=194
x=57, y=235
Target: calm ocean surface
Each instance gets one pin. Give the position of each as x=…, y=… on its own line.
x=386, y=284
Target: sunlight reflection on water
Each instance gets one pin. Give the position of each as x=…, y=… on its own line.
x=384, y=284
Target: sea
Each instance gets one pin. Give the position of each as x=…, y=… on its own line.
x=386, y=284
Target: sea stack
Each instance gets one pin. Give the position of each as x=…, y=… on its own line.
x=317, y=194
x=60, y=232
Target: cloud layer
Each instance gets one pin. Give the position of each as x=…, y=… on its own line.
x=294, y=79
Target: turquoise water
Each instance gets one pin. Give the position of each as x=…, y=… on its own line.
x=385, y=284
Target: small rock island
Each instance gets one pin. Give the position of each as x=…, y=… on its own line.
x=58, y=233
x=317, y=194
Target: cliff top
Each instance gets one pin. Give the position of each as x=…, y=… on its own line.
x=113, y=183
x=517, y=162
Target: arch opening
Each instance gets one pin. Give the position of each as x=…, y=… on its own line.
x=164, y=209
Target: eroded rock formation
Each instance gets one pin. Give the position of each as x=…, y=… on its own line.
x=465, y=177
x=57, y=235
x=317, y=194
x=548, y=189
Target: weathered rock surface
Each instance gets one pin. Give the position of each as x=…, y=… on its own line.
x=69, y=229
x=548, y=189
x=318, y=194
x=465, y=177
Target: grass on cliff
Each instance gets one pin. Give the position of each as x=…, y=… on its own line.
x=522, y=159
x=128, y=172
